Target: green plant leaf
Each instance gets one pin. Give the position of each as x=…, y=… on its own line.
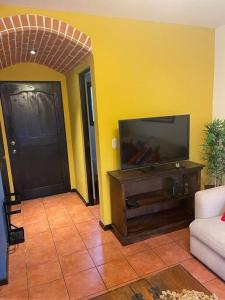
x=214, y=148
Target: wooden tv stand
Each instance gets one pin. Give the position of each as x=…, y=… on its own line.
x=150, y=201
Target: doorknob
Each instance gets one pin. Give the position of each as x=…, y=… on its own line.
x=14, y=151
x=13, y=143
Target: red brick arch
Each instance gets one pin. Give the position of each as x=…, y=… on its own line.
x=59, y=45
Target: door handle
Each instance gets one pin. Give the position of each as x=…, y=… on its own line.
x=14, y=151
x=13, y=143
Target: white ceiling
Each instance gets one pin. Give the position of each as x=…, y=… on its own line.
x=209, y=13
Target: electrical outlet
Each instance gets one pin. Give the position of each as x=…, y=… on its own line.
x=114, y=143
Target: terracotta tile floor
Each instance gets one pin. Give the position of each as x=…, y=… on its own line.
x=68, y=256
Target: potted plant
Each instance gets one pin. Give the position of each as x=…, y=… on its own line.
x=214, y=150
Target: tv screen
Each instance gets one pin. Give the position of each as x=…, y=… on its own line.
x=149, y=141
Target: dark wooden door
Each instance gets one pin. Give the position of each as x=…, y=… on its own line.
x=33, y=115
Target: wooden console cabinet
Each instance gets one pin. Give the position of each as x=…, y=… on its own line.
x=150, y=201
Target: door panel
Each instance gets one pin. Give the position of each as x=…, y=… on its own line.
x=34, y=120
x=43, y=122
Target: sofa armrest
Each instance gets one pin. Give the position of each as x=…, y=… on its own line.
x=210, y=203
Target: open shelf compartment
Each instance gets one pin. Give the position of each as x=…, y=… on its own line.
x=158, y=220
x=153, y=202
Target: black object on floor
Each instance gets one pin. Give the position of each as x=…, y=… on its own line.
x=15, y=234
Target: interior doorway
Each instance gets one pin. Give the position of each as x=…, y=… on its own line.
x=88, y=119
x=34, y=122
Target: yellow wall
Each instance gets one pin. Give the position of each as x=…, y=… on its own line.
x=143, y=69
x=35, y=72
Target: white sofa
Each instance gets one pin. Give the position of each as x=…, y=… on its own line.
x=207, y=231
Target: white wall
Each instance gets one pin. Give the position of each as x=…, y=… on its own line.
x=219, y=74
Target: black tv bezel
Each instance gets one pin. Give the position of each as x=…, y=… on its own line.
x=158, y=163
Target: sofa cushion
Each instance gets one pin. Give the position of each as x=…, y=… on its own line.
x=211, y=232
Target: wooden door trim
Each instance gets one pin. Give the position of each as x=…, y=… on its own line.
x=3, y=166
x=5, y=116
x=86, y=138
x=65, y=157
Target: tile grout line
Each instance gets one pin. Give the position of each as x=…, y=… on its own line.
x=57, y=255
x=26, y=258
x=149, y=248
x=96, y=266
x=110, y=262
x=25, y=252
x=154, y=252
x=88, y=252
x=173, y=241
x=139, y=276
x=74, y=224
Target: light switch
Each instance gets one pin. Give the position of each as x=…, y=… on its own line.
x=114, y=143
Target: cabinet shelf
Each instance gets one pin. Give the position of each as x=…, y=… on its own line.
x=153, y=202
x=162, y=219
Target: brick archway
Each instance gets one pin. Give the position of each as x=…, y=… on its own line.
x=58, y=45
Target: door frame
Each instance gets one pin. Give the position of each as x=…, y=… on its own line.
x=7, y=127
x=86, y=137
x=3, y=166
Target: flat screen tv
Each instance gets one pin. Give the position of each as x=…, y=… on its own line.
x=151, y=141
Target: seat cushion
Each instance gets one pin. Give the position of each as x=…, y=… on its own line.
x=211, y=232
